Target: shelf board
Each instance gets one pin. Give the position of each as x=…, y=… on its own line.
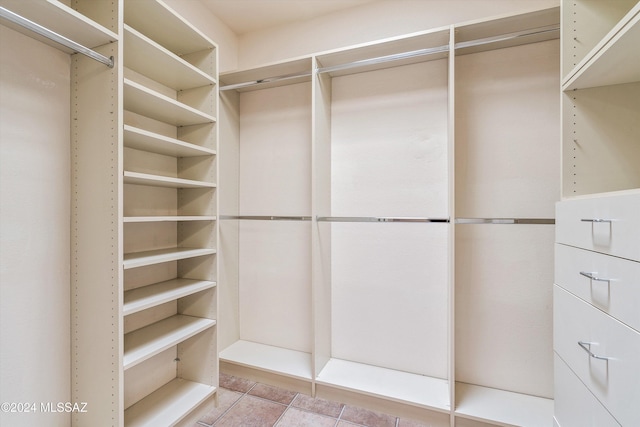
x=147, y=57
x=158, y=256
x=163, y=181
x=169, y=404
x=380, y=54
x=58, y=17
x=146, y=102
x=146, y=342
x=144, y=140
x=508, y=30
x=273, y=75
x=290, y=363
x=159, y=22
x=177, y=218
x=501, y=407
x=614, y=60
x=404, y=387
x=149, y=296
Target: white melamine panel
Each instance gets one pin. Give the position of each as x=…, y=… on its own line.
x=614, y=381
x=152, y=295
x=612, y=224
x=507, y=132
x=586, y=24
x=169, y=404
x=275, y=151
x=389, y=142
x=292, y=363
x=275, y=283
x=575, y=405
x=141, y=259
x=149, y=141
x=504, y=277
x=164, y=181
x=389, y=295
x=145, y=378
x=501, y=407
x=615, y=287
x=599, y=139
x=611, y=62
x=35, y=225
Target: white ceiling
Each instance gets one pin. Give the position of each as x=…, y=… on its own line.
x=244, y=16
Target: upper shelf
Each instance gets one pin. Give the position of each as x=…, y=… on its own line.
x=273, y=75
x=614, y=60
x=61, y=19
x=507, y=31
x=156, y=20
x=147, y=57
x=395, y=51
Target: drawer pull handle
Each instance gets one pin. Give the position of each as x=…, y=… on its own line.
x=596, y=220
x=586, y=346
x=593, y=276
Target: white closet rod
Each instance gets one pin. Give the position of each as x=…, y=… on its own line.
x=266, y=80
x=51, y=35
x=383, y=59
x=399, y=56
x=267, y=217
x=505, y=221
x=510, y=36
x=379, y=219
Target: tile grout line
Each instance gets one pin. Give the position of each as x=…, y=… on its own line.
x=285, y=411
x=230, y=407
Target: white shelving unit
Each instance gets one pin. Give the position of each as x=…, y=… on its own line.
x=144, y=185
x=356, y=270
x=596, y=340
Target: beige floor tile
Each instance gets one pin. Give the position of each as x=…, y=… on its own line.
x=367, y=418
x=235, y=383
x=251, y=412
x=226, y=398
x=274, y=394
x=319, y=406
x=294, y=417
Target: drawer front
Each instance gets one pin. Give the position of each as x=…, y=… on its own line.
x=610, y=283
x=574, y=405
x=608, y=224
x=614, y=381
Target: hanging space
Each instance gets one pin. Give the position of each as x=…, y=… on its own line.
x=382, y=233
x=266, y=224
x=506, y=185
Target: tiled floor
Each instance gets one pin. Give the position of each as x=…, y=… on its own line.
x=244, y=403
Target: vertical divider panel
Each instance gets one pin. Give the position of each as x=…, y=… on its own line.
x=228, y=256
x=452, y=228
x=321, y=206
x=96, y=254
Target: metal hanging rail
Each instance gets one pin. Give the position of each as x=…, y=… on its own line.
x=399, y=56
x=266, y=80
x=380, y=219
x=266, y=217
x=507, y=37
x=51, y=35
x=505, y=221
x=383, y=59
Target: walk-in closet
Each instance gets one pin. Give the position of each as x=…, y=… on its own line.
x=424, y=211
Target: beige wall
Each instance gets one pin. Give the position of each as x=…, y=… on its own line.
x=372, y=21
x=35, y=190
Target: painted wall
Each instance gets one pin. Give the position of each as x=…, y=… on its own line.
x=196, y=13
x=372, y=21
x=35, y=313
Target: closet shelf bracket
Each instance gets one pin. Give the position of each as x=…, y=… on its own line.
x=51, y=35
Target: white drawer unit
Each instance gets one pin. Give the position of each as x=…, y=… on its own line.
x=609, y=283
x=575, y=405
x=602, y=352
x=608, y=224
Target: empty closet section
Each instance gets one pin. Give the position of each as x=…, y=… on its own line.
x=601, y=97
x=506, y=184
x=266, y=225
x=383, y=232
x=169, y=215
